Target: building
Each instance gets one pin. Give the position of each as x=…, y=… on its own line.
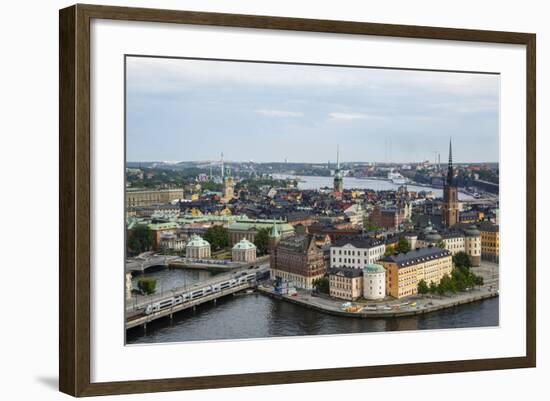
x=248, y=229
x=355, y=252
x=450, y=209
x=228, y=184
x=389, y=218
x=374, y=282
x=458, y=239
x=338, y=177
x=160, y=229
x=243, y=251
x=197, y=248
x=490, y=241
x=170, y=241
x=345, y=283
x=472, y=244
x=405, y=270
x=297, y=260
x=149, y=197
x=355, y=214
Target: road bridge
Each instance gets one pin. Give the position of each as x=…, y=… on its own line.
x=144, y=309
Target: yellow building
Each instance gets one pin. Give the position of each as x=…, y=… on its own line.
x=148, y=197
x=405, y=270
x=490, y=242
x=345, y=283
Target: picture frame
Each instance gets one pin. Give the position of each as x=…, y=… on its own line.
x=75, y=200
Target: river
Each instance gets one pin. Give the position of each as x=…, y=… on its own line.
x=316, y=182
x=259, y=316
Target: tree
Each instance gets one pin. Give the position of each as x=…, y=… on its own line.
x=262, y=241
x=440, y=244
x=423, y=288
x=147, y=285
x=390, y=249
x=321, y=285
x=478, y=280
x=140, y=239
x=403, y=245
x=461, y=259
x=433, y=287
x=218, y=237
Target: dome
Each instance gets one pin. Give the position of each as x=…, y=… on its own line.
x=472, y=231
x=244, y=244
x=433, y=236
x=373, y=268
x=429, y=228
x=196, y=241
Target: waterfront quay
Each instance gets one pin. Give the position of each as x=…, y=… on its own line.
x=416, y=305
x=390, y=307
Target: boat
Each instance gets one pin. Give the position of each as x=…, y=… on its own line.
x=396, y=178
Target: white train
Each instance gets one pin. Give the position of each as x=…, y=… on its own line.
x=202, y=292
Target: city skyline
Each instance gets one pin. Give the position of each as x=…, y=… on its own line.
x=191, y=110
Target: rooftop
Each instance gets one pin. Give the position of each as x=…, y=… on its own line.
x=416, y=256
x=244, y=244
x=357, y=241
x=345, y=271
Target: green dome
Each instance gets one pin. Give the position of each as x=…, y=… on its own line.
x=244, y=244
x=472, y=231
x=373, y=268
x=433, y=236
x=196, y=242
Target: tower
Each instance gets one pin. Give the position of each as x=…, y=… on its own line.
x=227, y=181
x=228, y=191
x=338, y=179
x=274, y=238
x=450, y=194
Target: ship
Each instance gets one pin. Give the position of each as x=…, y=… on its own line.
x=396, y=178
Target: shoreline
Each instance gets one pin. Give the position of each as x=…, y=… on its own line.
x=448, y=303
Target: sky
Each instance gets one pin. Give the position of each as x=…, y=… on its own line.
x=192, y=110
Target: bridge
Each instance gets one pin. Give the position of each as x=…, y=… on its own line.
x=140, y=264
x=136, y=309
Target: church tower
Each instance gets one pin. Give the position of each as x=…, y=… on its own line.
x=338, y=178
x=450, y=195
x=228, y=184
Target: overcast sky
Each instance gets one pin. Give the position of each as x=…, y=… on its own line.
x=195, y=109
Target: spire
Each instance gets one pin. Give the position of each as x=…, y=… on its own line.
x=450, y=171
x=274, y=232
x=222, y=166
x=337, y=157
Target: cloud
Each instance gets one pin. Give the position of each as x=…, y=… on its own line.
x=279, y=113
x=336, y=116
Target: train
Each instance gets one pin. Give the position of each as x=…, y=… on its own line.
x=191, y=295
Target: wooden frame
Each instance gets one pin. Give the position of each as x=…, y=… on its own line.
x=74, y=199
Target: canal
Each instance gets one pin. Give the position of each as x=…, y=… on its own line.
x=259, y=316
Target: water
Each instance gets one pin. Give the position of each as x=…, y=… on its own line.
x=258, y=316
x=314, y=182
x=172, y=278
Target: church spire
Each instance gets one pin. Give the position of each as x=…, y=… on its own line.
x=337, y=157
x=450, y=171
x=222, y=167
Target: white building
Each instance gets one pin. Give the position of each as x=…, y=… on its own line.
x=374, y=282
x=356, y=252
x=355, y=214
x=243, y=251
x=197, y=248
x=171, y=241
